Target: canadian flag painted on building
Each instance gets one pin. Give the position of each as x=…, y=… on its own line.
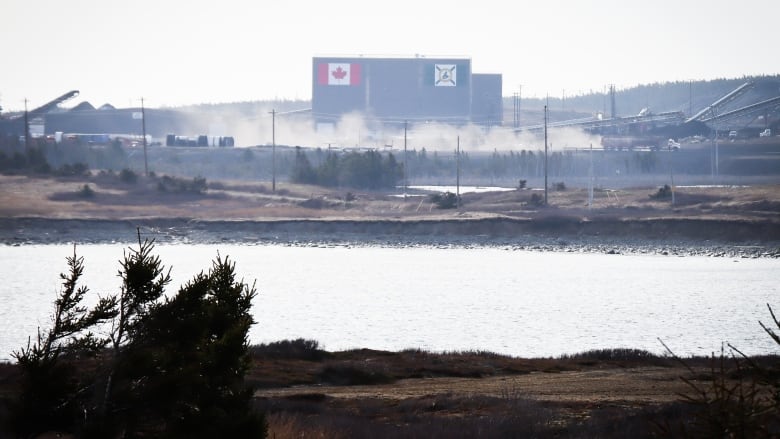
x=338, y=74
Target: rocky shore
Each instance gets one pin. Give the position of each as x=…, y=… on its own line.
x=683, y=237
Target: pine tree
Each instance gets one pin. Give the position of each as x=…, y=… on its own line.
x=53, y=395
x=176, y=365
x=302, y=171
x=144, y=279
x=191, y=358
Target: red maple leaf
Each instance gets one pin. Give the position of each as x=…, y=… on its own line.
x=339, y=73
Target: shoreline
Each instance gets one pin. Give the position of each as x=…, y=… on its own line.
x=662, y=236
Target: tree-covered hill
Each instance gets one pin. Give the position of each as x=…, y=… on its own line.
x=686, y=96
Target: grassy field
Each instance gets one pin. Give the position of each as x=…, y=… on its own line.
x=362, y=393
x=307, y=392
x=108, y=197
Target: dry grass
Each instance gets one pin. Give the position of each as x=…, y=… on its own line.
x=598, y=394
x=22, y=196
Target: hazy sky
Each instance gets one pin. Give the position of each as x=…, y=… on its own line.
x=176, y=52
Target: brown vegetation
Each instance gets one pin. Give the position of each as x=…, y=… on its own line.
x=62, y=197
x=606, y=393
x=307, y=392
x=107, y=208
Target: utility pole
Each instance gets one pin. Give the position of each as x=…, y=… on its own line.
x=273, y=150
x=671, y=172
x=590, y=179
x=406, y=165
x=26, y=127
x=690, y=98
x=457, y=174
x=545, y=155
x=519, y=102
x=714, y=155
x=613, y=110
x=563, y=100
x=717, y=161
x=516, y=97
x=143, y=131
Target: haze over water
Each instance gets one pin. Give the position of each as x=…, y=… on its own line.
x=519, y=303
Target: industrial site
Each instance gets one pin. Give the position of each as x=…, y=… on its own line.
x=595, y=226
x=426, y=112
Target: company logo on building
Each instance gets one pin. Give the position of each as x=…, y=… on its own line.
x=445, y=75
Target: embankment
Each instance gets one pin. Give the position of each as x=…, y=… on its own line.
x=663, y=235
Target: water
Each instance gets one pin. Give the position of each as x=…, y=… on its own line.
x=462, y=189
x=507, y=301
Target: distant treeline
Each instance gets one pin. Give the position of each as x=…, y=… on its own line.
x=368, y=169
x=377, y=170
x=250, y=108
x=364, y=170
x=42, y=155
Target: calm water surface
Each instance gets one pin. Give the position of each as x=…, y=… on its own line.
x=513, y=302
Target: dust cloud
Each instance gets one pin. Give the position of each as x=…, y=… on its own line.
x=354, y=130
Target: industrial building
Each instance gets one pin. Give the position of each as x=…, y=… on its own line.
x=387, y=91
x=395, y=90
x=86, y=124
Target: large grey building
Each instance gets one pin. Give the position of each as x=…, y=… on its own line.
x=394, y=90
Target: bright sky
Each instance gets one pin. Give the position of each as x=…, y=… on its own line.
x=177, y=52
